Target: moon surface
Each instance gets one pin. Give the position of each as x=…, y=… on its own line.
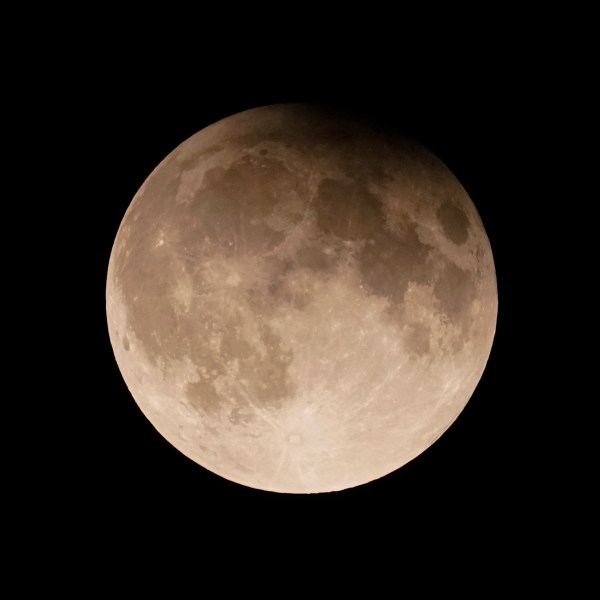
x=301, y=302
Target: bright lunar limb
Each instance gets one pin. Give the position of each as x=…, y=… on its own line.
x=299, y=302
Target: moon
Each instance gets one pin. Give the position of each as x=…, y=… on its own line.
x=299, y=301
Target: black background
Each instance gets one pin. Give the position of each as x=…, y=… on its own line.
x=117, y=117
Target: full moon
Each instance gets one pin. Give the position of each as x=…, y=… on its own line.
x=300, y=301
